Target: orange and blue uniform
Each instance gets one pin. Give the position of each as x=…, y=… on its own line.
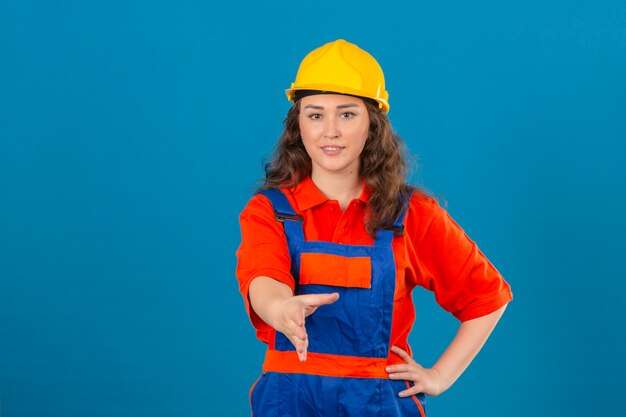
x=301, y=238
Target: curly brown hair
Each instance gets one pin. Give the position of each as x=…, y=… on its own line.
x=382, y=166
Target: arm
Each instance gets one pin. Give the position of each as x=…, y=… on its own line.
x=470, y=338
x=276, y=305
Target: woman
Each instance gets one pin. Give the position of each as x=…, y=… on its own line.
x=334, y=243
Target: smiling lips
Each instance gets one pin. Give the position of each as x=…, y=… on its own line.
x=332, y=150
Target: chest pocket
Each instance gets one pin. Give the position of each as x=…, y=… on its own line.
x=335, y=270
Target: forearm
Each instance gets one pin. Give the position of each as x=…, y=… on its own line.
x=470, y=338
x=264, y=292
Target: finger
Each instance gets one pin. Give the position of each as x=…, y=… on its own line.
x=296, y=325
x=298, y=332
x=398, y=368
x=298, y=317
x=301, y=348
x=302, y=355
x=415, y=389
x=403, y=354
x=407, y=376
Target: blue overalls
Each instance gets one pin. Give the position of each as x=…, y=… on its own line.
x=344, y=374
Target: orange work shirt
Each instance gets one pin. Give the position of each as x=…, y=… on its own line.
x=434, y=253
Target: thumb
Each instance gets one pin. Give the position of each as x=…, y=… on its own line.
x=321, y=299
x=313, y=301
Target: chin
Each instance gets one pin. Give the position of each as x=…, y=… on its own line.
x=333, y=168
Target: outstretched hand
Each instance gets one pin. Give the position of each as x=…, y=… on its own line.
x=290, y=317
x=426, y=380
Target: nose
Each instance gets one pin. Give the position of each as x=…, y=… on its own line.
x=331, y=129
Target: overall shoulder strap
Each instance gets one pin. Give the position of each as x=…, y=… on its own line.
x=386, y=235
x=284, y=213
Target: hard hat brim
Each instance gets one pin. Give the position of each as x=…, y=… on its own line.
x=327, y=88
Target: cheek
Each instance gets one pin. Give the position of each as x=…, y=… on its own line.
x=362, y=135
x=307, y=141
x=362, y=131
x=311, y=130
x=306, y=130
x=308, y=146
x=310, y=135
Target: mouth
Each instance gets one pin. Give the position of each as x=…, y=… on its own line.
x=332, y=149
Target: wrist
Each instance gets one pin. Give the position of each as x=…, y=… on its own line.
x=445, y=381
x=274, y=313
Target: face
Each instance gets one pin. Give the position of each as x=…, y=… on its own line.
x=334, y=129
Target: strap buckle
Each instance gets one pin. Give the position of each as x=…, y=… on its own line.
x=397, y=230
x=282, y=217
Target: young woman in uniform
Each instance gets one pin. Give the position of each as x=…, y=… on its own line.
x=332, y=246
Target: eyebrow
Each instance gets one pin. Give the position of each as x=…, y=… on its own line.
x=341, y=106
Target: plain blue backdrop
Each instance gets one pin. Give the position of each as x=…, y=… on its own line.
x=132, y=135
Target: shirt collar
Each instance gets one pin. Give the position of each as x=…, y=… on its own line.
x=307, y=195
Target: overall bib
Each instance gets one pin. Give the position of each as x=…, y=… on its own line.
x=344, y=374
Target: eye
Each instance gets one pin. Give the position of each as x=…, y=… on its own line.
x=347, y=115
x=314, y=116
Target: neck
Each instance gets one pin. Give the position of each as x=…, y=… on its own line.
x=341, y=187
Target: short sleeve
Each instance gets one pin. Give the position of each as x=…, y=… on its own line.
x=263, y=252
x=450, y=264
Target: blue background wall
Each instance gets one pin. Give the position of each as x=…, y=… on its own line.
x=132, y=134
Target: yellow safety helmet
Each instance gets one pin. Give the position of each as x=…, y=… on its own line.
x=341, y=67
